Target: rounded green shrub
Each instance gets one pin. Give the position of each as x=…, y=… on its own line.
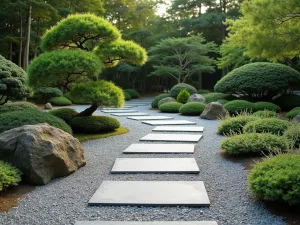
x=45, y=93
x=155, y=101
x=258, y=106
x=214, y=96
x=192, y=108
x=10, y=120
x=79, y=100
x=288, y=101
x=127, y=96
x=94, y=124
x=15, y=106
x=222, y=101
x=203, y=92
x=267, y=125
x=259, y=81
x=183, y=96
x=293, y=113
x=292, y=134
x=133, y=93
x=178, y=87
x=253, y=143
x=238, y=106
x=266, y=114
x=9, y=176
x=65, y=114
x=170, y=107
x=277, y=179
x=60, y=101
x=232, y=125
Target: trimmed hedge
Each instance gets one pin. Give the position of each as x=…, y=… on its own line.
x=170, y=107
x=266, y=106
x=183, y=96
x=238, y=106
x=65, y=114
x=15, y=106
x=9, y=176
x=222, y=101
x=253, y=143
x=178, y=87
x=60, y=101
x=215, y=96
x=94, y=124
x=277, y=179
x=266, y=114
x=133, y=93
x=203, y=92
x=288, y=101
x=192, y=108
x=10, y=120
x=292, y=134
x=293, y=113
x=234, y=124
x=155, y=101
x=45, y=93
x=127, y=96
x=267, y=125
x=259, y=81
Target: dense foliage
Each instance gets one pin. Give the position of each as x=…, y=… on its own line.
x=253, y=143
x=15, y=106
x=10, y=120
x=215, y=96
x=12, y=81
x=230, y=125
x=170, y=107
x=155, y=101
x=292, y=134
x=258, y=106
x=65, y=114
x=192, y=108
x=288, y=101
x=133, y=93
x=45, y=93
x=238, y=106
x=183, y=96
x=60, y=101
x=178, y=87
x=266, y=114
x=94, y=124
x=9, y=175
x=127, y=96
x=277, y=179
x=293, y=113
x=267, y=125
x=259, y=81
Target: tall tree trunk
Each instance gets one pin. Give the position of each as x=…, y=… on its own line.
x=21, y=41
x=89, y=111
x=26, y=50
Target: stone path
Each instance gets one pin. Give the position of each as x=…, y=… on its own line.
x=151, y=192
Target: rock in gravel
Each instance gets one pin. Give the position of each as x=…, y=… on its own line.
x=165, y=100
x=197, y=98
x=213, y=111
x=48, y=106
x=41, y=152
x=297, y=118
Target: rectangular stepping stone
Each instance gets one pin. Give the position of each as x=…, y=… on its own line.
x=151, y=193
x=130, y=114
x=179, y=129
x=150, y=118
x=170, y=122
x=119, y=111
x=124, y=108
x=146, y=223
x=172, y=137
x=155, y=165
x=160, y=148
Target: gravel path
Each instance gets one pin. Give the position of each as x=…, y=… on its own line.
x=64, y=200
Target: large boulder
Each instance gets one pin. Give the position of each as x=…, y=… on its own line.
x=165, y=100
x=41, y=152
x=197, y=98
x=213, y=111
x=48, y=106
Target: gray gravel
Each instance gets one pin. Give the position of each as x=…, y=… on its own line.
x=64, y=200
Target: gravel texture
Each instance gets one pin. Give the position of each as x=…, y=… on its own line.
x=64, y=200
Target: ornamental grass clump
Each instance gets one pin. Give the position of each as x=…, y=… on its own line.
x=292, y=134
x=266, y=114
x=267, y=125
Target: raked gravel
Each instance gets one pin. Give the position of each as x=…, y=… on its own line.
x=64, y=200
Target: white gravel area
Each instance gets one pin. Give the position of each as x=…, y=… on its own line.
x=64, y=200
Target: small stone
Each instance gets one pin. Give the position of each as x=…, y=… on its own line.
x=297, y=118
x=197, y=98
x=48, y=106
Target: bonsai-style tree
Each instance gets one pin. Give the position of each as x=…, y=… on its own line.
x=97, y=43
x=12, y=81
